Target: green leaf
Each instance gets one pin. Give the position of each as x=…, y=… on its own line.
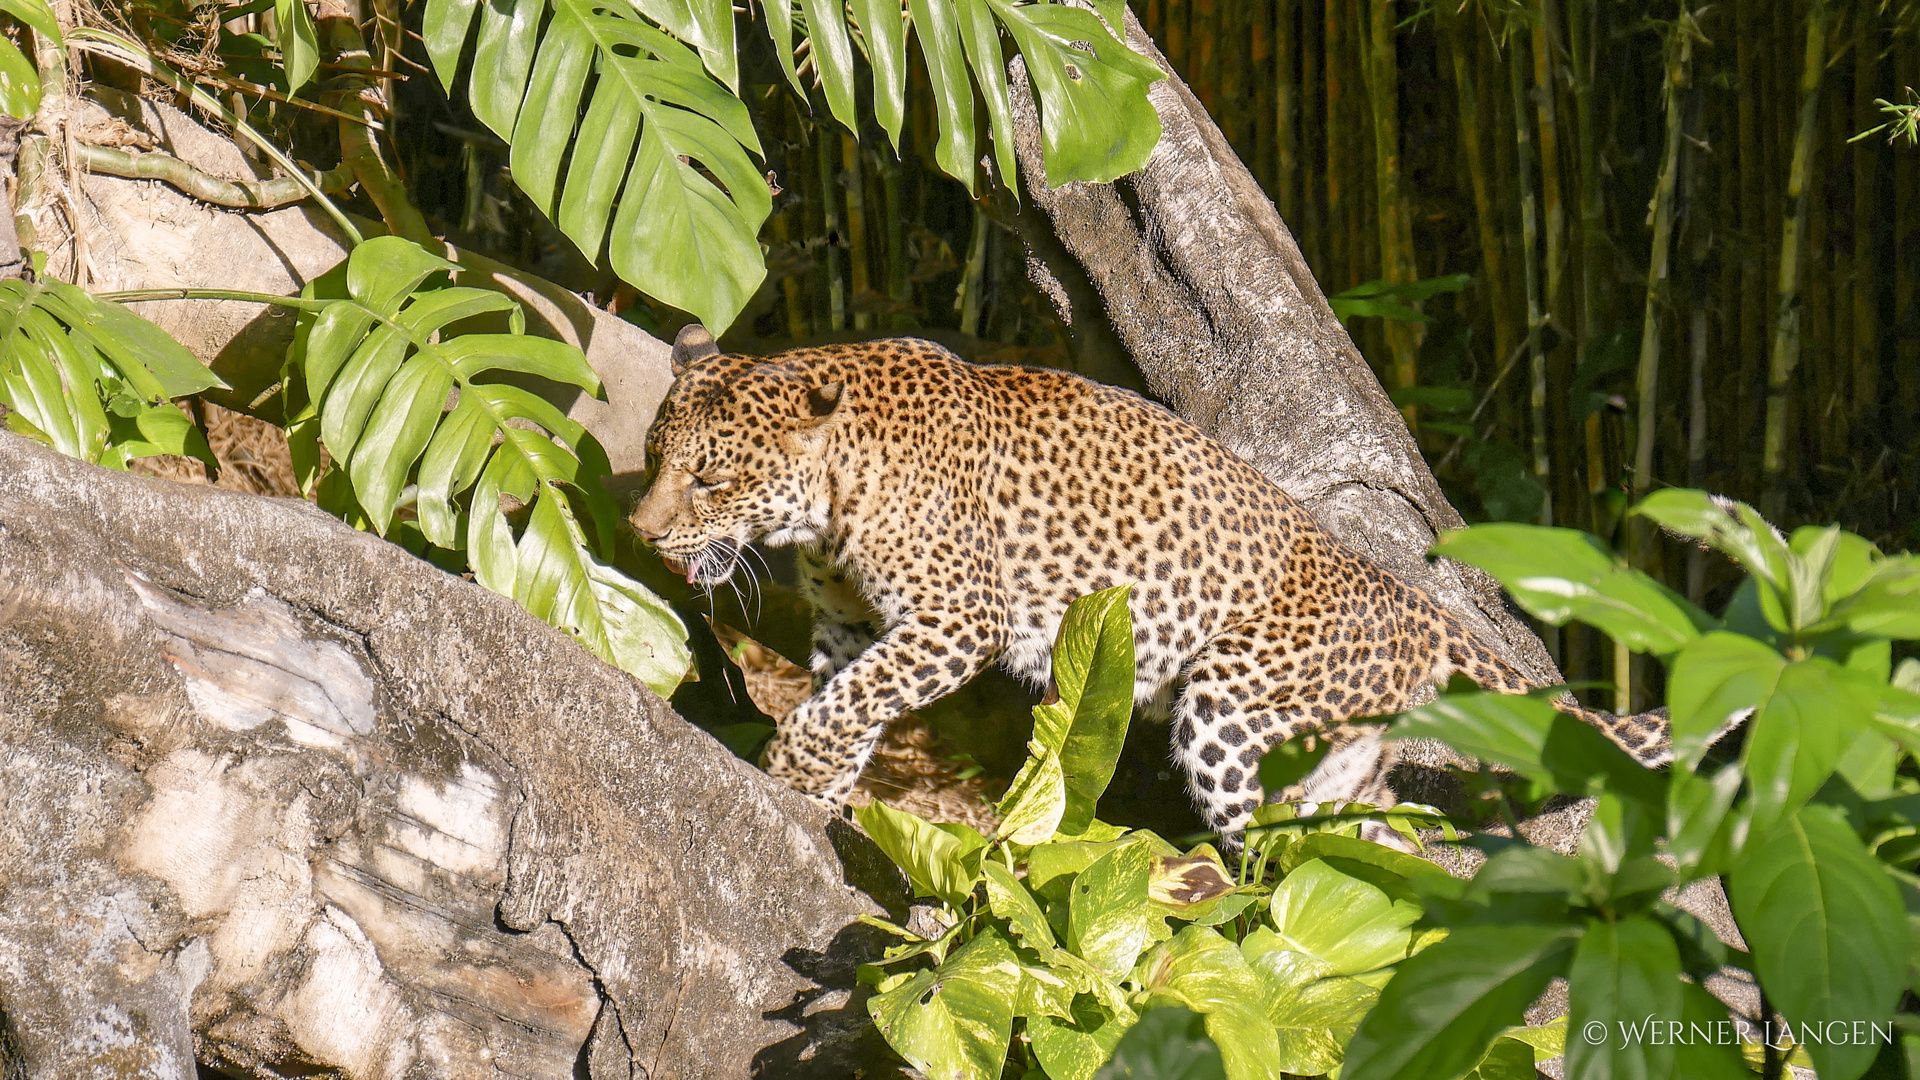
x=1621, y=973
x=1093, y=671
x=1075, y=1051
x=886, y=39
x=1449, y=1002
x=685, y=236
x=1096, y=123
x=1205, y=972
x=298, y=41
x=1713, y=678
x=1561, y=574
x=19, y=83
x=1888, y=603
x=1505, y=730
x=1110, y=921
x=1347, y=925
x=38, y=15
x=1827, y=929
x=1166, y=1044
x=1506, y=1059
x=1799, y=732
x=1329, y=844
x=955, y=1020
x=1009, y=899
x=1289, y=763
x=933, y=859
x=937, y=28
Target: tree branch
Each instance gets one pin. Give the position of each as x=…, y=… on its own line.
x=235, y=194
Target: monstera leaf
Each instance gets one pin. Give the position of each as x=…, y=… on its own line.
x=626, y=128
x=92, y=379
x=19, y=80
x=394, y=400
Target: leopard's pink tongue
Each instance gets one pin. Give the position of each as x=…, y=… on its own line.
x=673, y=564
x=693, y=570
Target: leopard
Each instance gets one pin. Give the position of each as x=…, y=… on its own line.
x=945, y=514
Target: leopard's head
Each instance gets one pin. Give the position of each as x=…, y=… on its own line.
x=737, y=454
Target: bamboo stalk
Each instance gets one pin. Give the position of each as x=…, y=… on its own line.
x=899, y=279
x=1260, y=27
x=1786, y=337
x=1338, y=268
x=1551, y=204
x=1313, y=123
x=1529, y=258
x=1866, y=158
x=1748, y=34
x=973, y=280
x=1286, y=41
x=1177, y=11
x=1679, y=60
x=1458, y=43
x=1395, y=219
x=856, y=230
x=1697, y=426
x=1203, y=54
x=830, y=228
x=1906, y=279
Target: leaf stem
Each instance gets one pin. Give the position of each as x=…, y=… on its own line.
x=130, y=296
x=119, y=49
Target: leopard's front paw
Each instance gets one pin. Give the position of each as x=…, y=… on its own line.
x=803, y=770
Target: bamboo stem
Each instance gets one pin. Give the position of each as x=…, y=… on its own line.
x=856, y=230
x=1786, y=337
x=1529, y=259
x=899, y=281
x=973, y=280
x=1459, y=46
x=1286, y=134
x=1647, y=383
x=1395, y=219
x=830, y=222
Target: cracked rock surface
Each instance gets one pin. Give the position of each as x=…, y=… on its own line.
x=281, y=798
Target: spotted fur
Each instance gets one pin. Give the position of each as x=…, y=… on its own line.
x=947, y=513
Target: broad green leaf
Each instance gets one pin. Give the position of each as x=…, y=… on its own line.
x=1700, y=834
x=886, y=39
x=1314, y=1014
x=981, y=38
x=683, y=235
x=937, y=28
x=1506, y=1059
x=397, y=433
x=1009, y=899
x=933, y=859
x=1075, y=1051
x=1713, y=678
x=37, y=14
x=1798, y=733
x=1093, y=670
x=1887, y=603
x=1324, y=844
x=19, y=83
x=1449, y=1002
x=1111, y=923
x=1726, y=526
x=158, y=429
x=1031, y=810
x=1044, y=992
x=1622, y=972
x=1507, y=730
x=299, y=42
x=779, y=14
x=955, y=1020
x=644, y=638
x=833, y=58
x=1289, y=763
x=1347, y=925
x=147, y=357
x=1827, y=929
x=1096, y=123
x=1169, y=1043
x=1560, y=574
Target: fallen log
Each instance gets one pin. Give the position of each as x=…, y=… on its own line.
x=279, y=797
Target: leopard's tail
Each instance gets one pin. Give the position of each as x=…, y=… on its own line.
x=1646, y=736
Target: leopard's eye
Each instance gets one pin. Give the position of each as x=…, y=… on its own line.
x=713, y=485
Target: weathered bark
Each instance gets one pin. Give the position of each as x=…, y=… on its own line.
x=279, y=796
x=1188, y=263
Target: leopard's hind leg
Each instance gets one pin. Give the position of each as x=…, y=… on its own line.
x=1253, y=688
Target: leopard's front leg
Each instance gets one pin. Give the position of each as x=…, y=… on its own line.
x=823, y=743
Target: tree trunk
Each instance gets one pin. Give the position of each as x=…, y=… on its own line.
x=1188, y=262
x=280, y=796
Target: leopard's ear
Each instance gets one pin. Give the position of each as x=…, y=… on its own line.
x=692, y=345
x=823, y=400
